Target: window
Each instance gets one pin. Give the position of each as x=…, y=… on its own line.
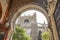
x=26, y=21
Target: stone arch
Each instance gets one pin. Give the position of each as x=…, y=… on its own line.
x=22, y=9
x=28, y=7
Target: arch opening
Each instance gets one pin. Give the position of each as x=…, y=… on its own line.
x=35, y=23
x=35, y=9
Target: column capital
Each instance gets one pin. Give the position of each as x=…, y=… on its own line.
x=51, y=6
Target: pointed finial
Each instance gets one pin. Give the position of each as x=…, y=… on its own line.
x=44, y=24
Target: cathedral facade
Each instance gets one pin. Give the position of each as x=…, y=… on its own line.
x=30, y=24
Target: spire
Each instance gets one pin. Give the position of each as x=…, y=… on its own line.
x=44, y=25
x=34, y=14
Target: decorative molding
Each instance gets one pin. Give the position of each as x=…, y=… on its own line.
x=51, y=6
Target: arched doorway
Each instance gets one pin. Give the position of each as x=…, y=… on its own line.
x=25, y=8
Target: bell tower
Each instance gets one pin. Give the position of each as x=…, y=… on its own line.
x=27, y=20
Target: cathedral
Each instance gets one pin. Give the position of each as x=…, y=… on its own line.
x=10, y=11
x=30, y=24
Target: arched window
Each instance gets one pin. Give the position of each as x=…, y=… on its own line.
x=26, y=21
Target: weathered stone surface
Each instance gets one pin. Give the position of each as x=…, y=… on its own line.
x=57, y=18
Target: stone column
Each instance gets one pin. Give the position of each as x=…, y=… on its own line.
x=53, y=26
x=51, y=9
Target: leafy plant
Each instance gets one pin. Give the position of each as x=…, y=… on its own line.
x=45, y=36
x=20, y=34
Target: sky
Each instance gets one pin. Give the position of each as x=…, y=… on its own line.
x=40, y=17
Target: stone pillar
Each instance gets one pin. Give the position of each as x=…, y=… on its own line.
x=10, y=34
x=51, y=9
x=53, y=26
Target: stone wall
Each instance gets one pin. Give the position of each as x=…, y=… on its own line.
x=57, y=18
